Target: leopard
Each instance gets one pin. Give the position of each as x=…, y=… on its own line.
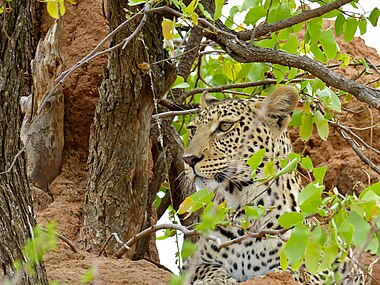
x=222, y=138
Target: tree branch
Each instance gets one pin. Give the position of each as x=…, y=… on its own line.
x=63, y=238
x=175, y=113
x=151, y=230
x=245, y=53
x=304, y=16
x=239, y=85
x=358, y=151
x=248, y=235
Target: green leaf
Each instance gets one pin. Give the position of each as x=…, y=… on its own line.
x=362, y=23
x=254, y=212
x=191, y=7
x=180, y=83
x=374, y=16
x=206, y=13
x=167, y=234
x=374, y=187
x=314, y=30
x=309, y=198
x=313, y=256
x=254, y=15
x=290, y=219
x=296, y=118
x=331, y=99
x=195, y=202
x=350, y=29
x=292, y=165
x=322, y=125
x=279, y=72
x=218, y=9
x=318, y=54
x=307, y=163
x=188, y=248
x=362, y=229
x=136, y=2
x=257, y=71
x=212, y=216
x=306, y=129
x=296, y=245
x=176, y=280
x=52, y=8
x=339, y=24
x=255, y=160
x=292, y=73
x=319, y=173
x=329, y=44
x=269, y=168
x=291, y=45
x=88, y=276
x=168, y=28
x=283, y=260
x=279, y=12
x=330, y=253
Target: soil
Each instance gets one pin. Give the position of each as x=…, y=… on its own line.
x=84, y=27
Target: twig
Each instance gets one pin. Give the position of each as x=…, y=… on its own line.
x=374, y=67
x=151, y=230
x=13, y=162
x=116, y=237
x=175, y=113
x=239, y=85
x=355, y=136
x=252, y=235
x=94, y=53
x=362, y=156
x=63, y=238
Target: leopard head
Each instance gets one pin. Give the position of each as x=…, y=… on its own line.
x=227, y=133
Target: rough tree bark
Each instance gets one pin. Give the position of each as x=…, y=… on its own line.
x=117, y=191
x=18, y=40
x=42, y=126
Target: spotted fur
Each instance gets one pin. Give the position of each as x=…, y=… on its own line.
x=222, y=138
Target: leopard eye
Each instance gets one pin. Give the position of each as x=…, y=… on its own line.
x=225, y=126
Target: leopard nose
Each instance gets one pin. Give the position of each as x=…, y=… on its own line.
x=192, y=160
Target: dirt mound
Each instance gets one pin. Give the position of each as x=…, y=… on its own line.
x=68, y=268
x=84, y=27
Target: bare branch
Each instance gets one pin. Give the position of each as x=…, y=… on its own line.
x=346, y=129
x=116, y=237
x=239, y=85
x=13, y=162
x=252, y=235
x=304, y=16
x=151, y=230
x=95, y=53
x=358, y=151
x=175, y=113
x=374, y=67
x=63, y=238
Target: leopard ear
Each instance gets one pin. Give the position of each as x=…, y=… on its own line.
x=279, y=105
x=207, y=100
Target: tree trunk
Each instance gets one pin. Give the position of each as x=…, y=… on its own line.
x=18, y=39
x=119, y=169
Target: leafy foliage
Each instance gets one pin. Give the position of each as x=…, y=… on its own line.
x=36, y=248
